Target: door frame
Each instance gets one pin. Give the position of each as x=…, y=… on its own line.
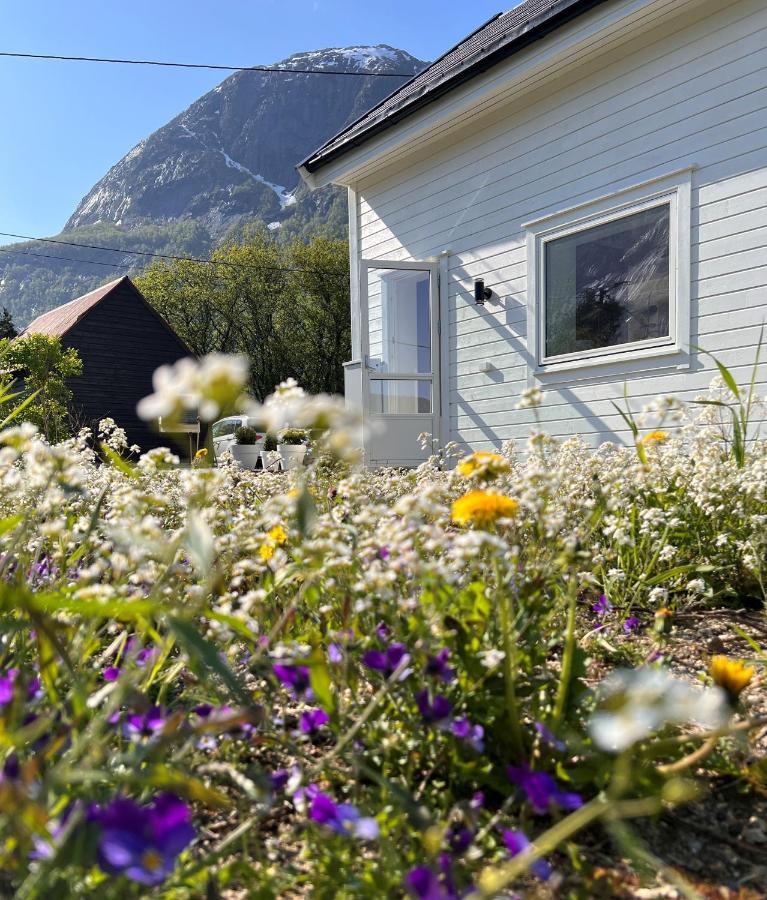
x=431, y=266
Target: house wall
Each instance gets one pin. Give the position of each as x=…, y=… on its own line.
x=121, y=341
x=689, y=90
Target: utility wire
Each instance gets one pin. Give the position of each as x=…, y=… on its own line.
x=194, y=259
x=179, y=65
x=91, y=262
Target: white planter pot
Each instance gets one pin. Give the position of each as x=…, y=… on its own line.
x=269, y=458
x=292, y=456
x=246, y=455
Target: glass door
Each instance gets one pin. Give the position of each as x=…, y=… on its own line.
x=400, y=329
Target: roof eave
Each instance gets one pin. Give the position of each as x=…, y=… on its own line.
x=531, y=32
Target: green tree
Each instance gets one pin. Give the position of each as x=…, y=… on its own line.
x=7, y=328
x=41, y=366
x=285, y=305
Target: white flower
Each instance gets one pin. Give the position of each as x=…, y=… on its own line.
x=531, y=399
x=634, y=703
x=696, y=586
x=491, y=658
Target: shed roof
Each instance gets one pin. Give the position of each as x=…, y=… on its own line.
x=500, y=37
x=57, y=322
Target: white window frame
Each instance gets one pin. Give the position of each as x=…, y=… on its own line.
x=673, y=189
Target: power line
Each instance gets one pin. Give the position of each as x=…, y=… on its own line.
x=91, y=262
x=180, y=65
x=193, y=259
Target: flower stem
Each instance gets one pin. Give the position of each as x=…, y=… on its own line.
x=510, y=666
x=567, y=656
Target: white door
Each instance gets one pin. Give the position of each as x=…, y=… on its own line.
x=400, y=346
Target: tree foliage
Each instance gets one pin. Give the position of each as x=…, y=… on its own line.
x=7, y=328
x=285, y=305
x=41, y=366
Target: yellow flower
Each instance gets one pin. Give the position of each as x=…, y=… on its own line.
x=278, y=534
x=266, y=551
x=483, y=508
x=203, y=451
x=483, y=464
x=655, y=437
x=731, y=674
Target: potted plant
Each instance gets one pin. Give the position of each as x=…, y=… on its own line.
x=247, y=445
x=269, y=455
x=292, y=447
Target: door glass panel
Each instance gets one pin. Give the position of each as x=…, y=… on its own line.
x=401, y=396
x=399, y=321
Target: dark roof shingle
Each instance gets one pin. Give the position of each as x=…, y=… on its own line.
x=496, y=40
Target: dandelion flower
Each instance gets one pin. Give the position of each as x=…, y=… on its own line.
x=732, y=675
x=278, y=534
x=483, y=508
x=655, y=437
x=201, y=453
x=266, y=551
x=483, y=464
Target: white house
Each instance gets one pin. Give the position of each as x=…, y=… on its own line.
x=599, y=169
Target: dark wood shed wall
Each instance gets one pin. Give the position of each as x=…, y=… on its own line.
x=121, y=341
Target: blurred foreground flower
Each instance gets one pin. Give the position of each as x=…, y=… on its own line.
x=636, y=702
x=208, y=387
x=483, y=508
x=142, y=842
x=483, y=465
x=732, y=675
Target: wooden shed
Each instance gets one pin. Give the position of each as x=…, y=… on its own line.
x=121, y=340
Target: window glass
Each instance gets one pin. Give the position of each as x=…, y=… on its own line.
x=608, y=285
x=389, y=396
x=222, y=429
x=399, y=321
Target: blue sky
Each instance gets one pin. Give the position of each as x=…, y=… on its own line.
x=63, y=124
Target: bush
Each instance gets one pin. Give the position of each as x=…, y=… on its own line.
x=293, y=436
x=246, y=435
x=270, y=443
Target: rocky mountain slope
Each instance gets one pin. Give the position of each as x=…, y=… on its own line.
x=228, y=159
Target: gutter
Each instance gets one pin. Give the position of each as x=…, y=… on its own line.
x=561, y=13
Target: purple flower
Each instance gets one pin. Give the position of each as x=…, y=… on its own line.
x=548, y=737
x=142, y=842
x=458, y=839
x=478, y=800
x=34, y=688
x=295, y=679
x=6, y=686
x=111, y=673
x=436, y=710
x=425, y=884
x=541, y=790
x=383, y=631
x=437, y=666
x=630, y=624
x=148, y=724
x=516, y=842
x=312, y=720
x=386, y=661
x=145, y=655
x=342, y=818
x=602, y=606
x=472, y=734
x=335, y=654
x=383, y=553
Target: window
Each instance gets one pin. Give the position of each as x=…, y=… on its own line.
x=610, y=279
x=225, y=427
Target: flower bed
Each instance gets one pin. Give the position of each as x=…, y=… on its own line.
x=362, y=684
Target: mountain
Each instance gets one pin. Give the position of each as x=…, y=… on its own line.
x=227, y=160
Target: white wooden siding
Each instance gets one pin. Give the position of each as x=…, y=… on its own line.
x=691, y=91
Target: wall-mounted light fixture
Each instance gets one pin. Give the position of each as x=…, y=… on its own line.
x=481, y=293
